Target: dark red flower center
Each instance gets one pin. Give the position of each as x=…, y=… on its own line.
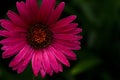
x=39, y=36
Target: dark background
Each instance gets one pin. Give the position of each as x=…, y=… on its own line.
x=99, y=58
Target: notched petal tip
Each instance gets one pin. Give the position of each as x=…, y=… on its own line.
x=80, y=37
x=1, y=20
x=68, y=65
x=73, y=16
x=17, y=3
x=19, y=71
x=3, y=56
x=62, y=3
x=36, y=74
x=9, y=11
x=80, y=30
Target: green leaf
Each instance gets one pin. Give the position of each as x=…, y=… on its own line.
x=85, y=64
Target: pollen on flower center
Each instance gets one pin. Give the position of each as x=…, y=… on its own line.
x=39, y=36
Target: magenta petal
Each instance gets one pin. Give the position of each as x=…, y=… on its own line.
x=5, y=33
x=45, y=10
x=68, y=47
x=28, y=56
x=56, y=13
x=69, y=37
x=40, y=64
x=25, y=61
x=36, y=62
x=16, y=19
x=21, y=8
x=75, y=31
x=8, y=25
x=43, y=73
x=17, y=66
x=24, y=14
x=60, y=56
x=66, y=29
x=53, y=60
x=19, y=56
x=5, y=47
x=69, y=54
x=32, y=9
x=60, y=67
x=11, y=41
x=68, y=43
x=23, y=64
x=46, y=62
x=63, y=22
x=21, y=68
x=13, y=50
x=12, y=34
x=32, y=4
x=73, y=45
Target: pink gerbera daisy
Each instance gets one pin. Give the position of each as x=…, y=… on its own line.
x=36, y=35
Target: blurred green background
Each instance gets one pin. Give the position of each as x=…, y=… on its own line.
x=99, y=58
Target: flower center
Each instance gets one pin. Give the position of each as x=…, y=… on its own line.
x=39, y=36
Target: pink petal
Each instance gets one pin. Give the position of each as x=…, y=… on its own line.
x=45, y=10
x=51, y=73
x=76, y=31
x=11, y=41
x=19, y=56
x=66, y=29
x=28, y=56
x=16, y=19
x=32, y=7
x=24, y=14
x=5, y=33
x=60, y=56
x=13, y=50
x=43, y=73
x=25, y=62
x=56, y=13
x=69, y=37
x=36, y=62
x=53, y=61
x=32, y=4
x=68, y=43
x=60, y=67
x=63, y=22
x=46, y=62
x=5, y=47
x=70, y=54
x=20, y=68
x=8, y=25
x=42, y=70
x=14, y=34
x=17, y=66
x=68, y=47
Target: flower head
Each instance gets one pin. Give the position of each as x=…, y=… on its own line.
x=37, y=34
